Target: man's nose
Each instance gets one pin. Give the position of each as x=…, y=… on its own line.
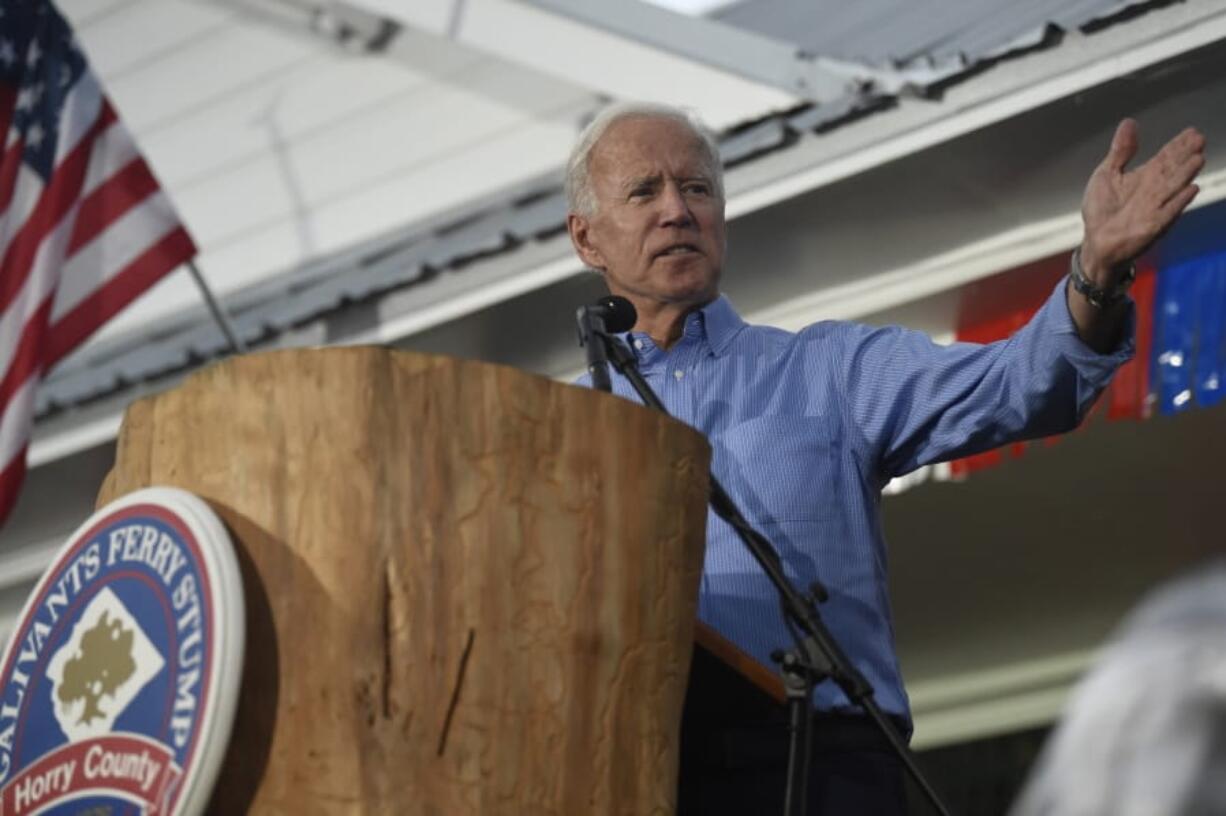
x=675, y=210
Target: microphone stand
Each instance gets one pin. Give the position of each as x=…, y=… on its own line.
x=591, y=325
x=816, y=655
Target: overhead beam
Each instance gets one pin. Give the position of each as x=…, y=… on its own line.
x=723, y=46
x=609, y=59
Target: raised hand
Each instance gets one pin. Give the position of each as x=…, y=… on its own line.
x=1127, y=210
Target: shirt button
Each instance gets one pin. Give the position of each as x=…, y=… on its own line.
x=678, y=373
x=638, y=344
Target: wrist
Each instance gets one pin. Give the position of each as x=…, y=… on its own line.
x=1101, y=285
x=1097, y=267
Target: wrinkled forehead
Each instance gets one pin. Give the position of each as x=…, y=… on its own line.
x=639, y=147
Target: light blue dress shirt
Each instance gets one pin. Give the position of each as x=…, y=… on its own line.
x=806, y=428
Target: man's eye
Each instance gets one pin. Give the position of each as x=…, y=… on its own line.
x=640, y=191
x=697, y=187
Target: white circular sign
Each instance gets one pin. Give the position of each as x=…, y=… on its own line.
x=120, y=680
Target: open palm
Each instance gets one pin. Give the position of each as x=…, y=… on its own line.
x=1125, y=211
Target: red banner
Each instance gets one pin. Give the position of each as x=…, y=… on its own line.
x=128, y=766
x=996, y=307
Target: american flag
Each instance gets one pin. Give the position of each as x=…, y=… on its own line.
x=84, y=227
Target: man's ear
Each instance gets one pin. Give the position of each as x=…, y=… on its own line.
x=580, y=236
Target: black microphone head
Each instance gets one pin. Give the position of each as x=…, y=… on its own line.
x=619, y=313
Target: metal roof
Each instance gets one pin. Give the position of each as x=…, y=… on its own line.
x=954, y=35
x=907, y=35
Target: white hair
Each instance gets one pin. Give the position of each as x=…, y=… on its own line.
x=581, y=198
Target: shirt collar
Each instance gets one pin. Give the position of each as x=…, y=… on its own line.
x=716, y=324
x=719, y=321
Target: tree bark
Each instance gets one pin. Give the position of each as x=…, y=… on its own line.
x=469, y=590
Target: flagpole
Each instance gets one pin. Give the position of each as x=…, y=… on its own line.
x=223, y=322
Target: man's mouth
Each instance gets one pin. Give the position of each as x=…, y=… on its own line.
x=678, y=249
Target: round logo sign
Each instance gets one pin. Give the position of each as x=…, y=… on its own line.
x=120, y=680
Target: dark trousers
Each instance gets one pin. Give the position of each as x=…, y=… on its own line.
x=742, y=770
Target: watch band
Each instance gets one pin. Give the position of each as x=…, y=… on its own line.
x=1100, y=298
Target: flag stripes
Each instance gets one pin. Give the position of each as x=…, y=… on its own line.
x=121, y=289
x=84, y=226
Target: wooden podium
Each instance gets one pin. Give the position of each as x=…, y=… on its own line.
x=469, y=590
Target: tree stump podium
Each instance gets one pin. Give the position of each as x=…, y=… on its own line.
x=469, y=589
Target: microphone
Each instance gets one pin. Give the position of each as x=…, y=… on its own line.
x=618, y=313
x=609, y=314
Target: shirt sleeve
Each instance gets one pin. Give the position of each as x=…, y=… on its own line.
x=913, y=402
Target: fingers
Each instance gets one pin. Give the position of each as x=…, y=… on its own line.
x=1190, y=139
x=1182, y=175
x=1175, y=152
x=1174, y=166
x=1123, y=145
x=1176, y=204
x=1164, y=217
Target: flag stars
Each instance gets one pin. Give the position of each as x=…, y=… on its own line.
x=34, y=135
x=25, y=99
x=33, y=55
x=8, y=56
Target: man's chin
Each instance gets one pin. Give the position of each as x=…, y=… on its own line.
x=686, y=288
x=696, y=297
x=698, y=291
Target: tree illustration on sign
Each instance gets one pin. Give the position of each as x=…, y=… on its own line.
x=102, y=665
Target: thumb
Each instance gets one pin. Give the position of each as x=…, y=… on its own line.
x=1123, y=145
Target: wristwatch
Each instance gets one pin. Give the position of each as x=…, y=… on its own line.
x=1100, y=298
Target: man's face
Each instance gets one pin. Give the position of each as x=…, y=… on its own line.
x=658, y=229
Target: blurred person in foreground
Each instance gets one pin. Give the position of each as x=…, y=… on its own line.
x=807, y=428
x=1144, y=734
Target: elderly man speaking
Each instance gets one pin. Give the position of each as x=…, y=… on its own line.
x=807, y=428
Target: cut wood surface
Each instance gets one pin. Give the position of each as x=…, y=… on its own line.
x=469, y=589
x=765, y=680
